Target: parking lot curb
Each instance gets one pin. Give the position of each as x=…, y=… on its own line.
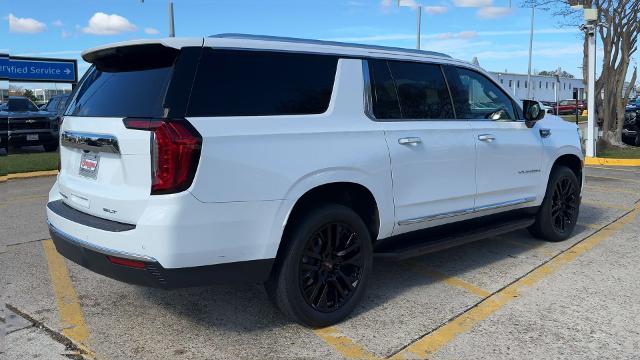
x=611, y=162
x=28, y=175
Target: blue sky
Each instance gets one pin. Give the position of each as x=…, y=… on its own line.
x=498, y=37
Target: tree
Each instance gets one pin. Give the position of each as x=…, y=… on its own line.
x=618, y=27
x=563, y=74
x=28, y=93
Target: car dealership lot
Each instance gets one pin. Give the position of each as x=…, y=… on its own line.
x=505, y=297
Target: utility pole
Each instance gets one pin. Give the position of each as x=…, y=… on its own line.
x=419, y=12
x=533, y=13
x=418, y=8
x=172, y=32
x=591, y=99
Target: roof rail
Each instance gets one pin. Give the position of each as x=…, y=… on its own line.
x=325, y=42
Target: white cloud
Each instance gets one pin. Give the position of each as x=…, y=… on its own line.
x=25, y=25
x=472, y=3
x=467, y=34
x=151, y=31
x=385, y=2
x=493, y=12
x=57, y=23
x=105, y=24
x=436, y=10
x=65, y=34
x=409, y=3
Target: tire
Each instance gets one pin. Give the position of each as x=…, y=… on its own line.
x=316, y=287
x=50, y=147
x=637, y=139
x=557, y=216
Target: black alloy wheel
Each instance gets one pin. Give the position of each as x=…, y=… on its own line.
x=564, y=204
x=558, y=214
x=331, y=268
x=323, y=267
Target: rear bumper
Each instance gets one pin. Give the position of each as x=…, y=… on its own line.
x=96, y=259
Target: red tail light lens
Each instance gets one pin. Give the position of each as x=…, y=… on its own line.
x=175, y=153
x=126, y=262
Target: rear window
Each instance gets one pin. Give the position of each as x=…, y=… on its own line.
x=253, y=83
x=22, y=105
x=120, y=94
x=125, y=82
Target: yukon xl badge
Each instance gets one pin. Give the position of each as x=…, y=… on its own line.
x=529, y=171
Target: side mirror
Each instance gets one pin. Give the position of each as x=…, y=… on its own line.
x=532, y=112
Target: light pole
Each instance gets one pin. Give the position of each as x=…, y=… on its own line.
x=172, y=32
x=418, y=7
x=533, y=13
x=556, y=76
x=589, y=27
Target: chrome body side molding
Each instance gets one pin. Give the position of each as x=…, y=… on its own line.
x=466, y=211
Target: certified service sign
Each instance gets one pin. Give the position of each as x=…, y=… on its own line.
x=38, y=69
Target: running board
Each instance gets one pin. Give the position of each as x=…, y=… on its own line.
x=442, y=237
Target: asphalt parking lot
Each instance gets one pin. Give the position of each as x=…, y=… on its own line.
x=504, y=297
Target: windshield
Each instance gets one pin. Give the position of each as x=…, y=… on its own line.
x=22, y=104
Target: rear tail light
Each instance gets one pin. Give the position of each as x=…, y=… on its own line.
x=175, y=152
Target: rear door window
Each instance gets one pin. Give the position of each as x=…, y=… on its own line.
x=257, y=83
x=383, y=91
x=422, y=90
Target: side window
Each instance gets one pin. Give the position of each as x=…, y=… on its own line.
x=255, y=83
x=477, y=97
x=422, y=90
x=383, y=91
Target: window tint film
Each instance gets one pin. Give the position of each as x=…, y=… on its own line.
x=21, y=104
x=422, y=90
x=477, y=97
x=254, y=83
x=383, y=91
x=138, y=93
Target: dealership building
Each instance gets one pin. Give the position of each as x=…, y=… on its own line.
x=543, y=88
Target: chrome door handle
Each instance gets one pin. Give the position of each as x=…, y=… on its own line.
x=486, y=137
x=409, y=141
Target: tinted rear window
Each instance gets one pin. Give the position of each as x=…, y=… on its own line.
x=422, y=90
x=250, y=83
x=22, y=105
x=120, y=94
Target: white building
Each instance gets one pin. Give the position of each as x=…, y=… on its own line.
x=543, y=88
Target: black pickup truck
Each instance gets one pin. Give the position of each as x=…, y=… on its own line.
x=23, y=124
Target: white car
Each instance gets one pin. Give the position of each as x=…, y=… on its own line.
x=294, y=162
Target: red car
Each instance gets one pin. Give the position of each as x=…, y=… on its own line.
x=565, y=107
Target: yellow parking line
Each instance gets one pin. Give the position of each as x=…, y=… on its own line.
x=69, y=310
x=449, y=280
x=440, y=337
x=343, y=344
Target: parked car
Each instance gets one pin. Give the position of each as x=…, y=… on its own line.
x=631, y=128
x=56, y=106
x=568, y=107
x=29, y=126
x=292, y=162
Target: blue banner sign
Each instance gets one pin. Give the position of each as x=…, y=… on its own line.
x=38, y=70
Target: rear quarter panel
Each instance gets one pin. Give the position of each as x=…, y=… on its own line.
x=267, y=158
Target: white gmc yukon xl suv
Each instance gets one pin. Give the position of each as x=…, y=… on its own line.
x=293, y=162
